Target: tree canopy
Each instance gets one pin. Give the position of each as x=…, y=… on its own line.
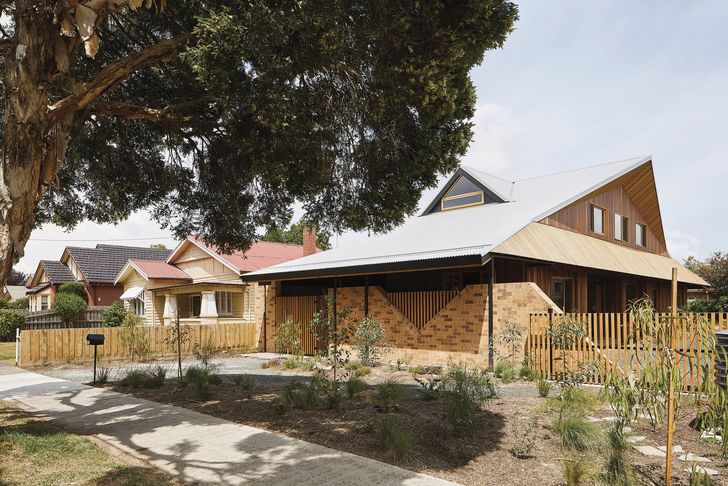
x=294, y=234
x=218, y=115
x=713, y=270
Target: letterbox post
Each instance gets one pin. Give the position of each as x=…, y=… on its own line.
x=95, y=340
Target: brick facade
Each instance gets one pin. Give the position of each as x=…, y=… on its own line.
x=458, y=332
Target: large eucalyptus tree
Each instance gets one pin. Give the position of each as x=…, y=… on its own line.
x=218, y=115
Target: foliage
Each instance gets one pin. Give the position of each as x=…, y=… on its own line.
x=577, y=434
x=17, y=278
x=69, y=307
x=623, y=396
x=618, y=470
x=576, y=472
x=113, y=315
x=466, y=390
x=511, y=337
x=524, y=440
x=176, y=340
x=75, y=288
x=370, y=342
x=332, y=328
x=389, y=394
x=288, y=338
x=564, y=334
x=393, y=438
x=10, y=320
x=149, y=377
x=544, y=387
x=500, y=368
x=23, y=303
x=355, y=385
x=317, y=394
x=429, y=386
x=202, y=378
x=527, y=373
x=507, y=374
x=717, y=305
x=102, y=375
x=713, y=269
x=294, y=234
x=700, y=477
x=205, y=352
x=134, y=338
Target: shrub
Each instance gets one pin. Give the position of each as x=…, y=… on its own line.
x=246, y=382
x=102, y=375
x=576, y=472
x=113, y=316
x=389, y=394
x=362, y=371
x=393, y=438
x=134, y=338
x=288, y=338
x=202, y=378
x=150, y=377
x=10, y=320
x=466, y=391
x=370, y=342
x=498, y=369
x=314, y=395
x=354, y=385
x=577, y=434
x=69, y=307
x=23, y=303
x=544, y=388
x=526, y=373
x=205, y=352
x=74, y=288
x=291, y=362
x=508, y=375
x=511, y=337
x=525, y=440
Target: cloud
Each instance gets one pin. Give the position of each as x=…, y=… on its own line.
x=682, y=245
x=495, y=133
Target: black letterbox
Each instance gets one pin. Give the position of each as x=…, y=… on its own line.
x=95, y=339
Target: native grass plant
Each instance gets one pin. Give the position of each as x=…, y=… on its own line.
x=319, y=393
x=144, y=377
x=577, y=434
x=393, y=438
x=288, y=338
x=699, y=476
x=577, y=472
x=246, y=383
x=544, y=387
x=466, y=391
x=370, y=342
x=511, y=336
x=388, y=395
x=617, y=470
x=103, y=374
x=202, y=379
x=135, y=338
x=527, y=373
x=354, y=385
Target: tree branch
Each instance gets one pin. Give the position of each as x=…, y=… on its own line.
x=112, y=74
x=157, y=115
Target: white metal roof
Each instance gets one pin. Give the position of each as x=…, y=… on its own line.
x=469, y=231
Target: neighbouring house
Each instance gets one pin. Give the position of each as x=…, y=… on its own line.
x=96, y=268
x=13, y=292
x=200, y=285
x=487, y=251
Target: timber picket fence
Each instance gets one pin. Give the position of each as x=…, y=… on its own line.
x=48, y=346
x=49, y=319
x=613, y=342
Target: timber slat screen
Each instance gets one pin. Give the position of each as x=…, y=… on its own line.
x=300, y=310
x=69, y=345
x=421, y=306
x=607, y=342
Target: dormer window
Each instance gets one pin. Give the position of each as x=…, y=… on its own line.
x=462, y=194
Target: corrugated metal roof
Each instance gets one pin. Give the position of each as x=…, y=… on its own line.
x=482, y=227
x=547, y=243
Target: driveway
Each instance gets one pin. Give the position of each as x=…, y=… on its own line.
x=193, y=446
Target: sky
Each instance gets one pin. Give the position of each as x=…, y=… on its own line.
x=576, y=84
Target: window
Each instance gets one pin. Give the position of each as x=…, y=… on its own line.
x=224, y=303
x=562, y=293
x=195, y=305
x=621, y=228
x=597, y=219
x=640, y=234
x=43, y=302
x=462, y=193
x=137, y=305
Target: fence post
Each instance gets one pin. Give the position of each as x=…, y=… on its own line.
x=17, y=346
x=551, y=346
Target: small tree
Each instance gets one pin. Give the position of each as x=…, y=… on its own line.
x=511, y=337
x=113, y=316
x=564, y=334
x=134, y=338
x=370, y=342
x=69, y=307
x=10, y=320
x=177, y=337
x=288, y=338
x=74, y=288
x=332, y=329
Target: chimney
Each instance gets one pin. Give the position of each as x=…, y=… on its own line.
x=309, y=241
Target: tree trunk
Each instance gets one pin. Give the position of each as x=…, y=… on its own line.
x=33, y=147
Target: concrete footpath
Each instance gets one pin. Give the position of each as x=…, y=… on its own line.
x=192, y=446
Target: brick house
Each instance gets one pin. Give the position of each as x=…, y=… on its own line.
x=96, y=268
x=487, y=251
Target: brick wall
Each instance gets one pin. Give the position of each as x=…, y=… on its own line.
x=459, y=332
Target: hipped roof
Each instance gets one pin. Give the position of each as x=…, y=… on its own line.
x=468, y=236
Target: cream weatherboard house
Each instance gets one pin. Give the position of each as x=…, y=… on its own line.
x=200, y=285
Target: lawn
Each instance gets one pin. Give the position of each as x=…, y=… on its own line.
x=33, y=451
x=7, y=351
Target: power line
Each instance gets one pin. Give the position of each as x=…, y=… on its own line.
x=103, y=239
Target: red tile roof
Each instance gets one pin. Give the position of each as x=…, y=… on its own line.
x=159, y=269
x=261, y=255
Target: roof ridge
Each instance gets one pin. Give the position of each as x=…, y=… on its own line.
x=567, y=171
x=468, y=167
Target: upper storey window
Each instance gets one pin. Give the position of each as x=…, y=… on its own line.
x=462, y=194
x=621, y=228
x=640, y=234
x=597, y=219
